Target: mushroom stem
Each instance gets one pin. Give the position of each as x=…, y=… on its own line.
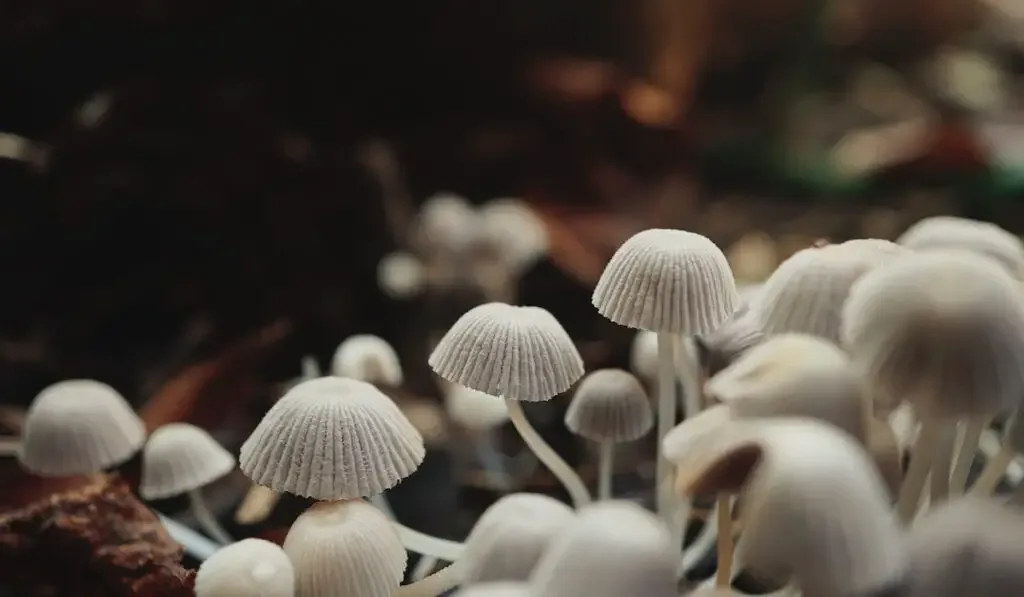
x=665, y=498
x=917, y=472
x=605, y=470
x=547, y=455
x=688, y=370
x=9, y=446
x=196, y=545
x=257, y=505
x=310, y=368
x=437, y=583
x=941, y=463
x=424, y=566
x=993, y=472
x=206, y=519
x=965, y=454
x=723, y=576
x=428, y=545
x=708, y=539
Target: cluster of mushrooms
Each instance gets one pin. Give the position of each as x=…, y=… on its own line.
x=798, y=408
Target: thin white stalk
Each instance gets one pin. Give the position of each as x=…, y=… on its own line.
x=689, y=376
x=196, y=545
x=965, y=454
x=547, y=455
x=424, y=566
x=605, y=470
x=428, y=545
x=941, y=464
x=704, y=542
x=993, y=472
x=206, y=519
x=665, y=499
x=381, y=503
x=257, y=505
x=723, y=520
x=917, y=473
x=9, y=446
x=310, y=368
x=443, y=580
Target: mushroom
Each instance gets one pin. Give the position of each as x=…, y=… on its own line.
x=609, y=407
x=446, y=225
x=248, y=568
x=345, y=548
x=945, y=332
x=518, y=233
x=814, y=506
x=612, y=549
x=79, y=427
x=670, y=282
x=334, y=438
x=400, y=275
x=181, y=459
x=967, y=548
x=806, y=293
x=367, y=358
x=510, y=536
x=981, y=238
x=731, y=340
x=522, y=354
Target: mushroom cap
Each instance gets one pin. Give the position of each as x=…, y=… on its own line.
x=445, y=221
x=944, y=331
x=367, y=358
x=669, y=281
x=610, y=405
x=510, y=537
x=345, y=548
x=473, y=409
x=795, y=375
x=517, y=231
x=807, y=291
x=980, y=238
x=79, y=427
x=519, y=353
x=612, y=549
x=246, y=568
x=495, y=589
x=969, y=546
x=643, y=355
x=400, y=275
x=736, y=336
x=180, y=457
x=696, y=433
x=815, y=486
x=332, y=438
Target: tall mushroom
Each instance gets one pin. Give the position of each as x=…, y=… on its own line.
x=521, y=354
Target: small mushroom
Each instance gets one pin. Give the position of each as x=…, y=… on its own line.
x=609, y=407
x=945, y=332
x=181, y=459
x=980, y=238
x=518, y=233
x=521, y=354
x=248, y=568
x=446, y=224
x=669, y=282
x=510, y=536
x=367, y=358
x=612, y=549
x=401, y=275
x=345, y=548
x=79, y=427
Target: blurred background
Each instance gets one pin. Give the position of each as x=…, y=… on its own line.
x=196, y=195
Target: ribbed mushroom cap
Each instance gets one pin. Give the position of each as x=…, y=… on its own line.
x=345, y=548
x=795, y=375
x=495, y=589
x=180, y=457
x=612, y=549
x=669, y=281
x=807, y=291
x=515, y=229
x=944, y=331
x=332, y=439
x=981, y=238
x=367, y=358
x=726, y=344
x=473, y=409
x=610, y=405
x=79, y=427
x=520, y=353
x=967, y=547
x=814, y=505
x=246, y=568
x=510, y=536
x=643, y=355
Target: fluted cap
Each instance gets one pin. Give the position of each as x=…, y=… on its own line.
x=981, y=238
x=332, y=438
x=520, y=353
x=610, y=405
x=180, y=457
x=669, y=281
